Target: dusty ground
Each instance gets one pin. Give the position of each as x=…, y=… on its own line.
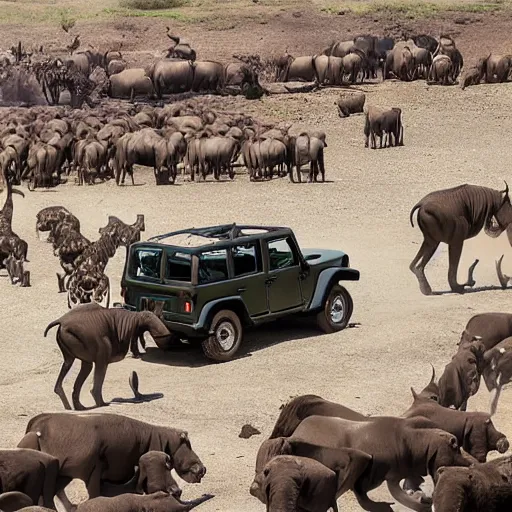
x=451, y=137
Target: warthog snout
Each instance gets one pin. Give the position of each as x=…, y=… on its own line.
x=502, y=445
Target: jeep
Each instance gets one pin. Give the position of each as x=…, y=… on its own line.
x=211, y=283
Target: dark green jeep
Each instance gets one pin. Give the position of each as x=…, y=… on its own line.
x=211, y=282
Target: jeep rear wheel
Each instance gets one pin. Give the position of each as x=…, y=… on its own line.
x=337, y=310
x=226, y=336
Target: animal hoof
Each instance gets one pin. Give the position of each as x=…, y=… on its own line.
x=426, y=290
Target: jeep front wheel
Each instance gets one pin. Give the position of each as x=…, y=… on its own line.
x=337, y=310
x=226, y=336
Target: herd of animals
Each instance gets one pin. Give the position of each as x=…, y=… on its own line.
x=318, y=450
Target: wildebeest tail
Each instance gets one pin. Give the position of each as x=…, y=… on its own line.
x=291, y=415
x=50, y=326
x=189, y=505
x=414, y=208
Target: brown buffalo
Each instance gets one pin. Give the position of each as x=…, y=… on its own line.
x=303, y=406
x=347, y=463
x=475, y=431
x=401, y=448
x=481, y=488
x=98, y=447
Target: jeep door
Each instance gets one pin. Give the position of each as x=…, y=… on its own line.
x=283, y=279
x=249, y=280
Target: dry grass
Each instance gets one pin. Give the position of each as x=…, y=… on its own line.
x=413, y=9
x=151, y=5
x=227, y=12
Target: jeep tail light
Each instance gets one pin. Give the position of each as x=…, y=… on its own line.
x=187, y=306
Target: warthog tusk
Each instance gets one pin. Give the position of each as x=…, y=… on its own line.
x=504, y=279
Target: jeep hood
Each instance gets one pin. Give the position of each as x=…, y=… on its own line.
x=322, y=256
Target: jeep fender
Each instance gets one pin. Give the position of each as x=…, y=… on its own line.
x=326, y=280
x=210, y=308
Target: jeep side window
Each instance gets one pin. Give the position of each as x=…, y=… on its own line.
x=146, y=263
x=246, y=259
x=179, y=267
x=213, y=266
x=281, y=254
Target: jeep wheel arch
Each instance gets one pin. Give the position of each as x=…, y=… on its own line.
x=210, y=309
x=325, y=282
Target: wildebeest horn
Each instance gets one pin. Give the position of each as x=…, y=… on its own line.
x=506, y=189
x=504, y=279
x=19, y=192
x=433, y=379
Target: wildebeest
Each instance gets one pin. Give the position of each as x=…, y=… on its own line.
x=381, y=122
x=452, y=216
x=98, y=336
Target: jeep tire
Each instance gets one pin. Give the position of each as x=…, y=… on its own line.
x=226, y=336
x=337, y=310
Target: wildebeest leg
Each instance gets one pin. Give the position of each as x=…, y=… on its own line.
x=60, y=282
x=100, y=370
x=371, y=506
x=25, y=281
x=418, y=501
x=454, y=252
x=134, y=345
x=84, y=372
x=66, y=366
x=495, y=395
x=94, y=483
x=427, y=250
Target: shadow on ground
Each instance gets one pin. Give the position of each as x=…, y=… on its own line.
x=256, y=339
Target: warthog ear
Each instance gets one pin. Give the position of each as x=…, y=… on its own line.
x=414, y=394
